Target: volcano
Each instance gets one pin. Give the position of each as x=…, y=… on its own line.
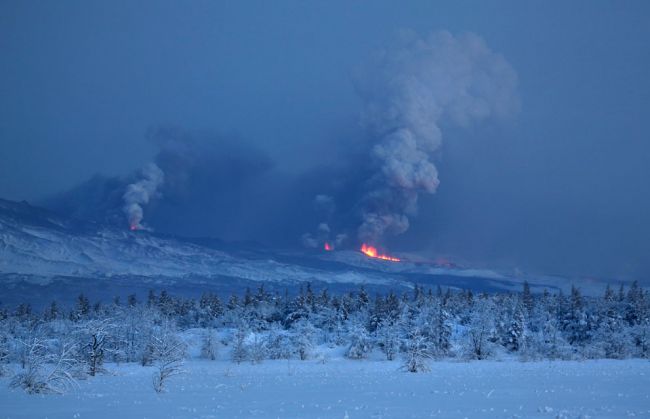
x=52, y=256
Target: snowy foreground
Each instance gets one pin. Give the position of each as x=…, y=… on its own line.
x=342, y=388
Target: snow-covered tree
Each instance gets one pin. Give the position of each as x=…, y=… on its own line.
x=134, y=326
x=641, y=336
x=46, y=372
x=417, y=355
x=257, y=348
x=278, y=343
x=545, y=339
x=168, y=355
x=612, y=338
x=388, y=338
x=513, y=336
x=360, y=342
x=527, y=299
x=239, y=350
x=576, y=326
x=92, y=342
x=434, y=323
x=209, y=344
x=480, y=330
x=4, y=347
x=304, y=338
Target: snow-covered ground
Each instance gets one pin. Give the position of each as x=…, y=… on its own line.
x=342, y=388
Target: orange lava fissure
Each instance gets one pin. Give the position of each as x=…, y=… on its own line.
x=372, y=252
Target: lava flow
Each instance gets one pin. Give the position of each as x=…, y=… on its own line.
x=371, y=251
x=328, y=247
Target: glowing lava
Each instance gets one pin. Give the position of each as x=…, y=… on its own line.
x=133, y=227
x=328, y=247
x=371, y=251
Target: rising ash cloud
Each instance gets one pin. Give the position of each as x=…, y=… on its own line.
x=203, y=184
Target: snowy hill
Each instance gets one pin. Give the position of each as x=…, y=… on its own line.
x=43, y=253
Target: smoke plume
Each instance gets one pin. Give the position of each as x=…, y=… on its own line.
x=231, y=188
x=140, y=193
x=409, y=90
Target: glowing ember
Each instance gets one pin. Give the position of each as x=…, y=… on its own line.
x=328, y=247
x=371, y=251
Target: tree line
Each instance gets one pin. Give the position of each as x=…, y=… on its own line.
x=53, y=348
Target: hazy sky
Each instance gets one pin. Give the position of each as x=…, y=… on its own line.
x=560, y=187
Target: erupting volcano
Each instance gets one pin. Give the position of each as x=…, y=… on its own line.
x=328, y=247
x=372, y=252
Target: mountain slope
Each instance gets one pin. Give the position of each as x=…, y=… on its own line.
x=42, y=253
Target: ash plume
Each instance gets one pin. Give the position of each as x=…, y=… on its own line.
x=227, y=187
x=409, y=90
x=140, y=193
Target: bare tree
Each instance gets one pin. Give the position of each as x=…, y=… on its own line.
x=210, y=345
x=93, y=337
x=46, y=372
x=168, y=355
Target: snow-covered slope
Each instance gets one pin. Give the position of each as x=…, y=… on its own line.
x=39, y=248
x=42, y=245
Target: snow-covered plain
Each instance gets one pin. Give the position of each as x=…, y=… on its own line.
x=342, y=388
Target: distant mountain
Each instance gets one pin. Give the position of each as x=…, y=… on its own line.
x=45, y=255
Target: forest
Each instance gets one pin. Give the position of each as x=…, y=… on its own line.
x=50, y=350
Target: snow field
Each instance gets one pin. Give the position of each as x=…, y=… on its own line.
x=340, y=388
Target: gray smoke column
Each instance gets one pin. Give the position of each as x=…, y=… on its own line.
x=140, y=193
x=408, y=90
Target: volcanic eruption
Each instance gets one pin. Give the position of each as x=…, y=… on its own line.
x=410, y=91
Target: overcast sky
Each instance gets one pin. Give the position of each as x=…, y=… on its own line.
x=559, y=187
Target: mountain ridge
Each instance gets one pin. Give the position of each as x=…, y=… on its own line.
x=45, y=250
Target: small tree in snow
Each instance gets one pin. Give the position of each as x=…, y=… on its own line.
x=257, y=349
x=239, y=350
x=641, y=335
x=209, y=345
x=514, y=338
x=360, y=342
x=278, y=343
x=416, y=353
x=304, y=338
x=168, y=354
x=388, y=336
x=41, y=377
x=93, y=337
x=433, y=322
